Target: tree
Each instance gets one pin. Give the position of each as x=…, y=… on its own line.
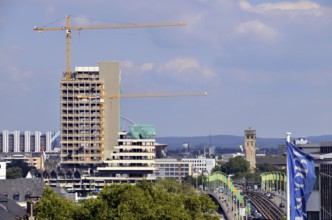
x=25, y=168
x=237, y=165
x=125, y=201
x=13, y=173
x=189, y=180
x=200, y=207
x=53, y=207
x=223, y=167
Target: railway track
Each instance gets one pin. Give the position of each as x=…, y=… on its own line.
x=268, y=209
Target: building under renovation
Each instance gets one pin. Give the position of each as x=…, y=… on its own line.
x=89, y=121
x=93, y=150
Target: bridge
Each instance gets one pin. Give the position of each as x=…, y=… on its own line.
x=238, y=202
x=225, y=204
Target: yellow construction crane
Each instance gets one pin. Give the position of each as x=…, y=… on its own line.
x=69, y=28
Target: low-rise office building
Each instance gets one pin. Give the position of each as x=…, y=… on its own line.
x=201, y=164
x=172, y=168
x=32, y=159
x=319, y=203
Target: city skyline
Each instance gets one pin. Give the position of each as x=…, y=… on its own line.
x=265, y=65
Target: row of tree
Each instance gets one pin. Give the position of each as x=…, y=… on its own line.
x=167, y=199
x=241, y=169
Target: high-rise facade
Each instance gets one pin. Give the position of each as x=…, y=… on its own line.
x=25, y=142
x=89, y=121
x=250, y=147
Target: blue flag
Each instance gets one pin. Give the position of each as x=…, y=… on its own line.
x=301, y=168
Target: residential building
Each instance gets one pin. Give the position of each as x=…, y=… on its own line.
x=10, y=210
x=25, y=142
x=21, y=189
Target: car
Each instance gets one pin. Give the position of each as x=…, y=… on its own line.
x=268, y=194
x=282, y=205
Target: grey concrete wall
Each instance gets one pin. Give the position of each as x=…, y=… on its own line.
x=110, y=73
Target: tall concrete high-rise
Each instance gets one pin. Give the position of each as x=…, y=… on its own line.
x=250, y=147
x=89, y=122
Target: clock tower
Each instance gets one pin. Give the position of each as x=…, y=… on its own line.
x=250, y=147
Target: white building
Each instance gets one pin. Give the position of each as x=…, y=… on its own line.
x=132, y=160
x=2, y=170
x=226, y=157
x=25, y=142
x=172, y=168
x=133, y=157
x=201, y=164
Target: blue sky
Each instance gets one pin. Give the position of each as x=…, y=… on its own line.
x=265, y=64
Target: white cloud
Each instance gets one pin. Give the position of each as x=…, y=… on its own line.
x=130, y=68
x=285, y=6
x=294, y=10
x=187, y=69
x=179, y=69
x=258, y=29
x=181, y=65
x=146, y=67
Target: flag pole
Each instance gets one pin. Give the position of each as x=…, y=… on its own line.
x=288, y=176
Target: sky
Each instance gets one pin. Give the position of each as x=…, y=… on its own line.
x=265, y=64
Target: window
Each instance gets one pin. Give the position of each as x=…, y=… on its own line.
x=16, y=197
x=316, y=186
x=27, y=195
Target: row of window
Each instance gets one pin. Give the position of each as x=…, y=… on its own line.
x=175, y=169
x=129, y=143
x=326, y=193
x=326, y=150
x=173, y=165
x=326, y=169
x=171, y=173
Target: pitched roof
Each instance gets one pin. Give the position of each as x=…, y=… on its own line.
x=22, y=187
x=9, y=209
x=272, y=160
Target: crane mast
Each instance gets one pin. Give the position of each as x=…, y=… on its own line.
x=68, y=28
